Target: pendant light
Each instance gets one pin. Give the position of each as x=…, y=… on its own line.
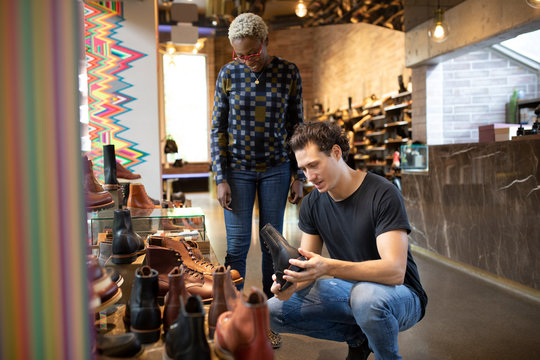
x=438, y=30
x=533, y=3
x=301, y=9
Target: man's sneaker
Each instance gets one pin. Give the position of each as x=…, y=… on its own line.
x=275, y=339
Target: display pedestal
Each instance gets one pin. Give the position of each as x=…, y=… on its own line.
x=127, y=271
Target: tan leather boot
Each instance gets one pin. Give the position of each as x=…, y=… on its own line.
x=242, y=334
x=125, y=174
x=138, y=197
x=177, y=289
x=95, y=197
x=224, y=294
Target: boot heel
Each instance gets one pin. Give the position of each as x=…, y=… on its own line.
x=147, y=336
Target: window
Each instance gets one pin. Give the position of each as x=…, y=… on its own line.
x=186, y=109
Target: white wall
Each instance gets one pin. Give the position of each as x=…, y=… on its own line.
x=138, y=32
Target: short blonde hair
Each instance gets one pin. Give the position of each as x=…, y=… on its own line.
x=248, y=25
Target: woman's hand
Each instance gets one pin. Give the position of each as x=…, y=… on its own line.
x=224, y=195
x=297, y=191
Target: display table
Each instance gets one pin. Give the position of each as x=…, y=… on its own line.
x=188, y=170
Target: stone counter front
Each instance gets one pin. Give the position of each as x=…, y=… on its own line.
x=479, y=204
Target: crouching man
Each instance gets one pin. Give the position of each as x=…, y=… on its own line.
x=369, y=289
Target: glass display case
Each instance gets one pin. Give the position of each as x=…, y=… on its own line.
x=188, y=222
x=414, y=158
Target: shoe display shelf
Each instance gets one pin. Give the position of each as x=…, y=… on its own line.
x=187, y=222
x=379, y=133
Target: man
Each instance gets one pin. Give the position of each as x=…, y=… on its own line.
x=374, y=290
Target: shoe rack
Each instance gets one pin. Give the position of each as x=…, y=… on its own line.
x=384, y=125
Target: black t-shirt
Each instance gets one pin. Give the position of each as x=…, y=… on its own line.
x=349, y=228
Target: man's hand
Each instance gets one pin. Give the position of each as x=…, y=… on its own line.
x=315, y=266
x=224, y=195
x=297, y=192
x=285, y=294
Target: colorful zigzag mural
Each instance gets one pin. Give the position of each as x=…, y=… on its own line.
x=106, y=59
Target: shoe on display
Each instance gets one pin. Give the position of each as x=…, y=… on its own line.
x=164, y=260
x=119, y=345
x=177, y=290
x=125, y=174
x=186, y=338
x=138, y=198
x=188, y=255
x=109, y=168
x=143, y=315
x=224, y=297
x=96, y=198
x=242, y=334
x=126, y=244
x=102, y=285
x=281, y=253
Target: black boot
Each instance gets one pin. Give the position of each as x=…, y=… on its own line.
x=119, y=345
x=281, y=252
x=129, y=228
x=144, y=318
x=125, y=244
x=359, y=353
x=186, y=339
x=109, y=167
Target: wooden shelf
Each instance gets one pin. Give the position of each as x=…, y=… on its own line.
x=376, y=133
x=396, y=107
x=397, y=123
x=376, y=148
x=396, y=141
x=376, y=164
x=403, y=94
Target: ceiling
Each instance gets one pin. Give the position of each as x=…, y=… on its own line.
x=216, y=15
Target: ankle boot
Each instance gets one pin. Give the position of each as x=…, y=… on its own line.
x=119, y=345
x=189, y=260
x=242, y=334
x=95, y=197
x=129, y=227
x=224, y=297
x=186, y=339
x=125, y=244
x=281, y=252
x=138, y=197
x=177, y=289
x=164, y=260
x=144, y=318
x=125, y=174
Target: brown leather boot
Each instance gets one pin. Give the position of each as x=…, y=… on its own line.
x=177, y=289
x=102, y=285
x=138, y=197
x=224, y=294
x=164, y=260
x=189, y=260
x=95, y=197
x=125, y=174
x=242, y=334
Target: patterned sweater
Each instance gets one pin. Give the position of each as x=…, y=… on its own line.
x=251, y=123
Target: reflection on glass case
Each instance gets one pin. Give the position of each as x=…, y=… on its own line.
x=187, y=222
x=414, y=158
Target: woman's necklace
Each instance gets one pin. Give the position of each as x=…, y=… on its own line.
x=258, y=77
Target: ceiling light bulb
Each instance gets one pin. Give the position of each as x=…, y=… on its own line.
x=301, y=9
x=438, y=31
x=170, y=48
x=534, y=3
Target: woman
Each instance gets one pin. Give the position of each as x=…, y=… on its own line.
x=257, y=103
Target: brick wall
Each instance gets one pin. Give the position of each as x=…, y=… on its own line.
x=336, y=61
x=475, y=90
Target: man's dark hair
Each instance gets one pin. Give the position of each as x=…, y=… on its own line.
x=324, y=134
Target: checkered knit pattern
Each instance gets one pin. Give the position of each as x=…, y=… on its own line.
x=251, y=123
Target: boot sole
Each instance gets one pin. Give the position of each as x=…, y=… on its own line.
x=147, y=336
x=221, y=353
x=124, y=259
x=101, y=207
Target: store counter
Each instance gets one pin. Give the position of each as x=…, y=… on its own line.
x=479, y=204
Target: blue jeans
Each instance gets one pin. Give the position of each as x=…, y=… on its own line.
x=272, y=188
x=339, y=310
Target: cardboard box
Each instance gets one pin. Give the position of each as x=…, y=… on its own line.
x=497, y=132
